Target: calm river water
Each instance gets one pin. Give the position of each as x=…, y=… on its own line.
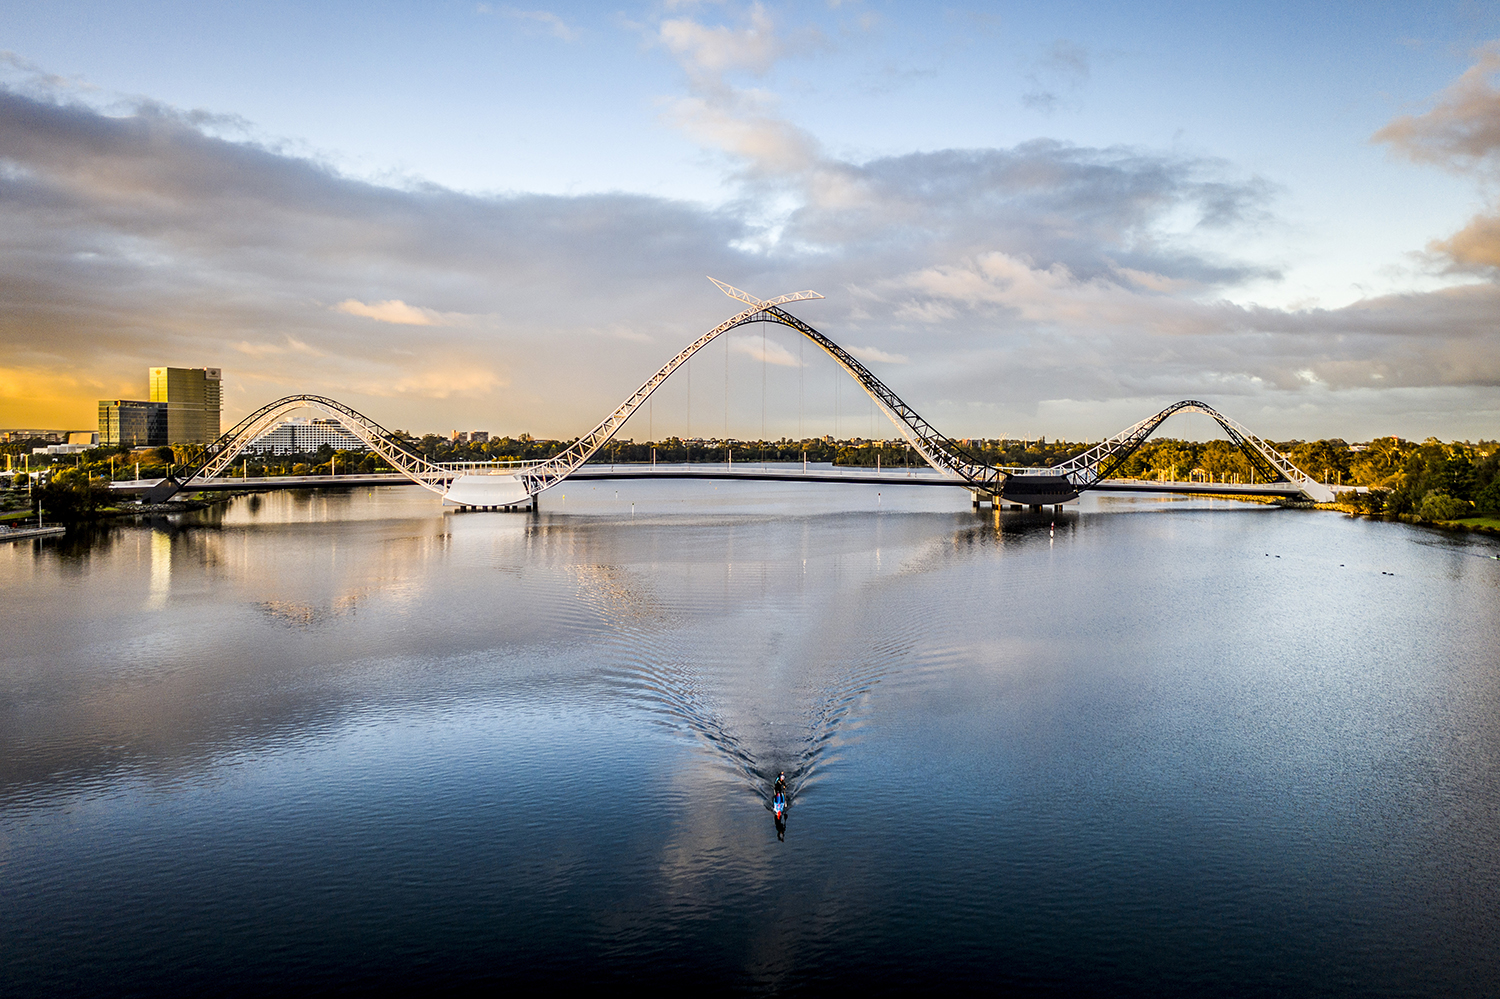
x=346, y=740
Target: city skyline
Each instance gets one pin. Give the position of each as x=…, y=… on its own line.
x=1026, y=222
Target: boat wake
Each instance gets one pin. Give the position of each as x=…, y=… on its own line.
x=782, y=695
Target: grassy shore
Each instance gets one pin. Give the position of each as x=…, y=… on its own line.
x=1488, y=523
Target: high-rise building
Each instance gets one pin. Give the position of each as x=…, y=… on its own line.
x=126, y=421
x=193, y=397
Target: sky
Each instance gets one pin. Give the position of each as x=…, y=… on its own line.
x=1027, y=219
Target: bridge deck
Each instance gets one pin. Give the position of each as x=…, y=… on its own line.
x=1281, y=489
x=235, y=483
x=747, y=472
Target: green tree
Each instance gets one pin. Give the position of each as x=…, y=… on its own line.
x=1367, y=502
x=1382, y=460
x=1440, y=506
x=1487, y=500
x=72, y=495
x=1323, y=459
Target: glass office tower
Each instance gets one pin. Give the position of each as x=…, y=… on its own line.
x=193, y=400
x=128, y=421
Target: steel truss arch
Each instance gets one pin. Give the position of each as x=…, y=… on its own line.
x=936, y=449
x=222, y=453
x=1105, y=458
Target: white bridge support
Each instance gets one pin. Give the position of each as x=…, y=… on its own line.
x=511, y=484
x=487, y=491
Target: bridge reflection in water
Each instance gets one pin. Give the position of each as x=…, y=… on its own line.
x=507, y=485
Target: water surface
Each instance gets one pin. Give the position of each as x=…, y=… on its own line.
x=330, y=741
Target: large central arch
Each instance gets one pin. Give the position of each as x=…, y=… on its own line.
x=935, y=448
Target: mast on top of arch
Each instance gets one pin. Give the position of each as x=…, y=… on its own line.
x=749, y=299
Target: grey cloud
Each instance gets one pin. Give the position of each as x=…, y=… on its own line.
x=1068, y=59
x=138, y=239
x=1037, y=99
x=1064, y=68
x=1052, y=202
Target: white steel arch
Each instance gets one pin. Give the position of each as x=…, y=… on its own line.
x=947, y=457
x=223, y=452
x=1100, y=461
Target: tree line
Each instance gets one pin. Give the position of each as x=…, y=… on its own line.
x=1431, y=480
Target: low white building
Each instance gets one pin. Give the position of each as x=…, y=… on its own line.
x=301, y=436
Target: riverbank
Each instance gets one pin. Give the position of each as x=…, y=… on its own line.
x=1478, y=525
x=199, y=501
x=1484, y=525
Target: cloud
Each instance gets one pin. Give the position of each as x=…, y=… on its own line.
x=392, y=311
x=710, y=51
x=554, y=25
x=1000, y=279
x=742, y=122
x=771, y=353
x=1094, y=210
x=28, y=76
x=139, y=238
x=1447, y=338
x=1462, y=129
x=290, y=346
x=809, y=200
x=1474, y=247
x=1064, y=68
x=876, y=354
x=446, y=382
x=1460, y=133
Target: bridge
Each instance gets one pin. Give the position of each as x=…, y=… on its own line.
x=506, y=485
x=717, y=472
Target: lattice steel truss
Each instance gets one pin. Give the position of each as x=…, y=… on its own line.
x=219, y=455
x=1103, y=460
x=936, y=449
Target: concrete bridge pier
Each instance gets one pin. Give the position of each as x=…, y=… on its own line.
x=981, y=497
x=528, y=506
